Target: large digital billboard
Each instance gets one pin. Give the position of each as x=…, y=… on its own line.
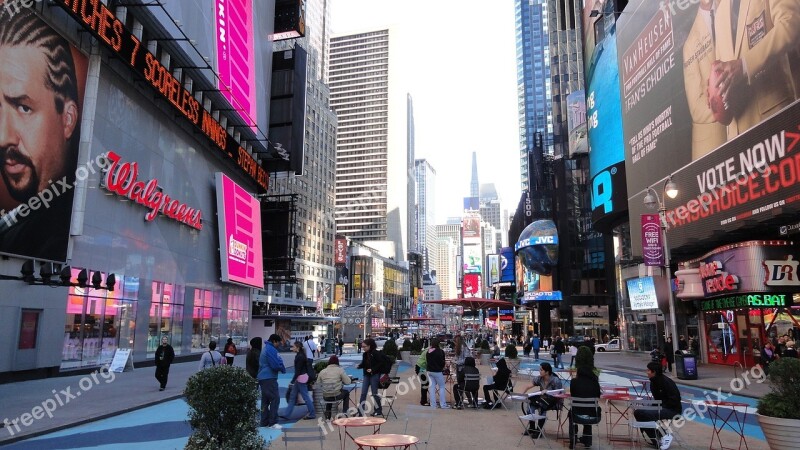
x=604, y=123
x=642, y=293
x=236, y=63
x=709, y=97
x=473, y=259
x=239, y=234
x=576, y=122
x=507, y=264
x=42, y=80
x=472, y=285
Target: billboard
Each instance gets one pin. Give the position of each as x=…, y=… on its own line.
x=652, y=245
x=507, y=264
x=236, y=62
x=472, y=285
x=493, y=263
x=340, y=251
x=43, y=82
x=239, y=234
x=471, y=229
x=473, y=259
x=642, y=293
x=576, y=123
x=711, y=101
x=604, y=123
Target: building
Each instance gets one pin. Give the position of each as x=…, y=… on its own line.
x=373, y=115
x=533, y=81
x=313, y=190
x=161, y=162
x=425, y=176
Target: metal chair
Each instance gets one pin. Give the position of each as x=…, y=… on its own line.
x=335, y=405
x=387, y=398
x=472, y=380
x=635, y=425
x=525, y=419
x=501, y=395
x=303, y=434
x=581, y=420
x=423, y=413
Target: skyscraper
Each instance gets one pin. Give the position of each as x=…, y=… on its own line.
x=533, y=81
x=425, y=176
x=473, y=183
x=373, y=121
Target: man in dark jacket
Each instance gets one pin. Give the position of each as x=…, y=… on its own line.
x=251, y=363
x=164, y=356
x=666, y=390
x=560, y=350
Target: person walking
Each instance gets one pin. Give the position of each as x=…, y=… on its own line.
x=560, y=350
x=230, y=351
x=251, y=360
x=358, y=344
x=669, y=354
x=269, y=365
x=573, y=352
x=309, y=347
x=537, y=344
x=461, y=353
x=212, y=357
x=164, y=356
x=340, y=341
x=436, y=364
x=371, y=369
x=299, y=383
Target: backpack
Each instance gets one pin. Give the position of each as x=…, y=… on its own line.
x=312, y=374
x=382, y=362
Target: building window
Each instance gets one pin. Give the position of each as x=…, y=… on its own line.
x=166, y=316
x=205, y=319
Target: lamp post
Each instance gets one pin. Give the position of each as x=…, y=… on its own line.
x=653, y=200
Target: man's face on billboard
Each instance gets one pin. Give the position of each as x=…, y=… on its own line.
x=33, y=135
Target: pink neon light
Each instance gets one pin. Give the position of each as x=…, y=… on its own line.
x=241, y=230
x=236, y=54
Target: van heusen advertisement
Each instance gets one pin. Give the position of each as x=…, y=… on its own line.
x=709, y=95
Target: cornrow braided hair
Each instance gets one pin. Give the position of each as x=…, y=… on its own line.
x=25, y=28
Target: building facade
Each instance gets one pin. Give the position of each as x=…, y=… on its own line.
x=425, y=176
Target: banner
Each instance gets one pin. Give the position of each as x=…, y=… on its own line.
x=652, y=245
x=642, y=293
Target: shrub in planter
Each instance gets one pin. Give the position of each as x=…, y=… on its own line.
x=223, y=412
x=784, y=400
x=319, y=366
x=407, y=346
x=511, y=351
x=485, y=347
x=390, y=349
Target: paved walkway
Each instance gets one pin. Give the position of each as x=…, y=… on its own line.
x=128, y=411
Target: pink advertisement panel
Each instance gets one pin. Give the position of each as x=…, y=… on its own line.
x=236, y=55
x=239, y=234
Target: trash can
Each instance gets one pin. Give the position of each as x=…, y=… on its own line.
x=686, y=365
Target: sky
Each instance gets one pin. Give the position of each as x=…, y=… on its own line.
x=463, y=84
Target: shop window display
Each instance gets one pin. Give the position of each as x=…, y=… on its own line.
x=238, y=319
x=98, y=322
x=166, y=316
x=206, y=316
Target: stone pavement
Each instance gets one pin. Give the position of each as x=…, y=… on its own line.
x=128, y=411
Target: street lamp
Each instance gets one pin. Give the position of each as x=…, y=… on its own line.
x=652, y=200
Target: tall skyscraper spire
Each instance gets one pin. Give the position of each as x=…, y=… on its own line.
x=473, y=184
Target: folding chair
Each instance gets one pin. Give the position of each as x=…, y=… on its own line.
x=500, y=396
x=303, y=434
x=525, y=419
x=635, y=425
x=582, y=420
x=472, y=380
x=334, y=404
x=387, y=399
x=423, y=413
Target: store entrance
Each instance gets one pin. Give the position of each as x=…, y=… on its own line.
x=738, y=336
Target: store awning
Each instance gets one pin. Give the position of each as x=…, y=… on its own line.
x=472, y=303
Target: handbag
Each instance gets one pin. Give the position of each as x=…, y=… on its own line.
x=384, y=382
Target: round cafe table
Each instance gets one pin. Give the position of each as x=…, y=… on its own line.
x=344, y=422
x=386, y=440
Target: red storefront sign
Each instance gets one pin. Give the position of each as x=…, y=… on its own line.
x=122, y=179
x=340, y=251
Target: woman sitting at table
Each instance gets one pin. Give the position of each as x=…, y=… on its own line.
x=543, y=402
x=334, y=378
x=584, y=385
x=500, y=382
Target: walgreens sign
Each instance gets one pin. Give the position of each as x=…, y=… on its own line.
x=122, y=178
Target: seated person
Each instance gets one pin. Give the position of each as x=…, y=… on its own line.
x=333, y=377
x=584, y=385
x=495, y=350
x=542, y=403
x=664, y=389
x=469, y=387
x=501, y=382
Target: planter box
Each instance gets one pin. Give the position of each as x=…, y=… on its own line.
x=781, y=434
x=406, y=356
x=485, y=358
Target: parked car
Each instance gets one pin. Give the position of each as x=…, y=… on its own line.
x=610, y=346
